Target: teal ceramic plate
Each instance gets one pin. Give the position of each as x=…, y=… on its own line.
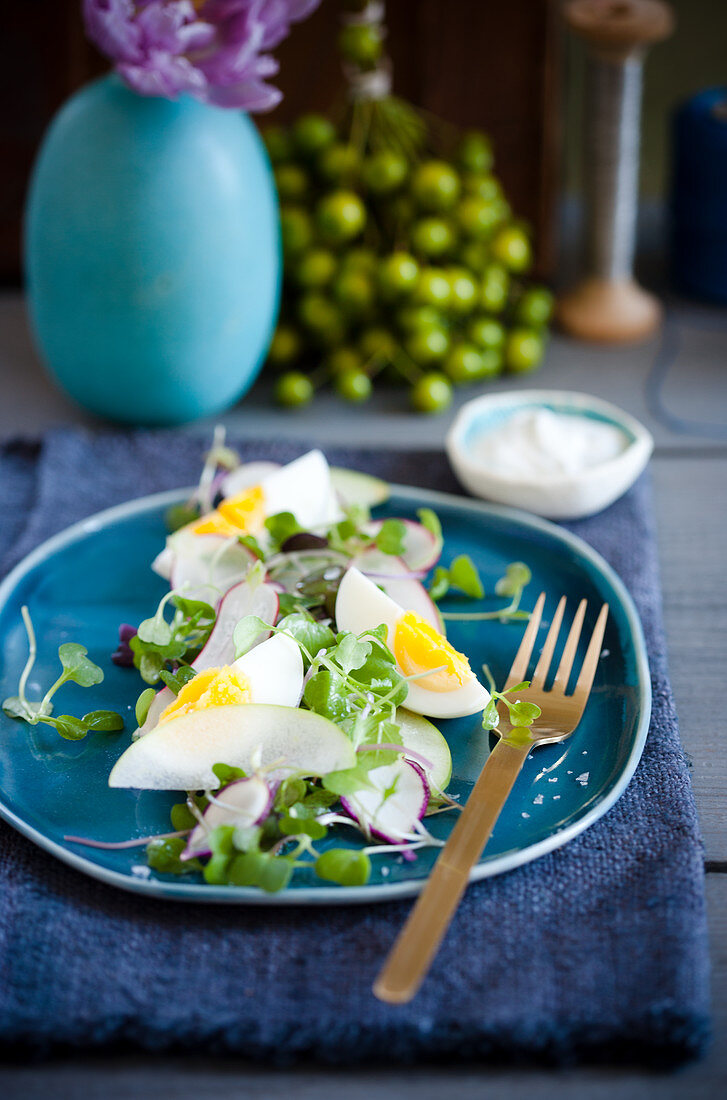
x=81, y=584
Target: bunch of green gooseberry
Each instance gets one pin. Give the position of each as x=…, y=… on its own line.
x=406, y=270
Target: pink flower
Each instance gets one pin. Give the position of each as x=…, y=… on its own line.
x=210, y=49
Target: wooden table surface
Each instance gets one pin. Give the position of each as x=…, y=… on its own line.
x=689, y=470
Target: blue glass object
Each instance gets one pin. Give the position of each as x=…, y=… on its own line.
x=152, y=254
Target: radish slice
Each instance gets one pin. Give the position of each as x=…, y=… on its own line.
x=241, y=600
x=242, y=803
x=179, y=755
x=354, y=487
x=393, y=817
x=394, y=576
x=422, y=549
x=245, y=476
x=207, y=566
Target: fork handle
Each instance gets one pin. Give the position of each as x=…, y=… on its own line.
x=419, y=939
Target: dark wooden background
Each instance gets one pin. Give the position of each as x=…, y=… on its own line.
x=484, y=63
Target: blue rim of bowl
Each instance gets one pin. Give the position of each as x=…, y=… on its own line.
x=322, y=895
x=493, y=409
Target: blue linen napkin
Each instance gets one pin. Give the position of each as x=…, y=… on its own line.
x=605, y=956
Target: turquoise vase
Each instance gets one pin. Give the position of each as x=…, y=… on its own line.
x=153, y=257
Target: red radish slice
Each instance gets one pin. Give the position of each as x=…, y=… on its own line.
x=245, y=476
x=393, y=575
x=241, y=600
x=390, y=817
x=242, y=803
x=422, y=548
x=160, y=702
x=207, y=566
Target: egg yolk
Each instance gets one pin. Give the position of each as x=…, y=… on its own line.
x=214, y=687
x=418, y=646
x=243, y=514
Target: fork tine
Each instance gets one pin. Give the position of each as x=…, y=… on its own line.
x=590, y=661
x=546, y=656
x=566, y=662
x=522, y=657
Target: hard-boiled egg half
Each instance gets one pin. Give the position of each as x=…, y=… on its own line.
x=451, y=690
x=270, y=673
x=303, y=487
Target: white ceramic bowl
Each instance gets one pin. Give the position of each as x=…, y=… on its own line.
x=562, y=496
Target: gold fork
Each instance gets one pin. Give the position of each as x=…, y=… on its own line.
x=419, y=939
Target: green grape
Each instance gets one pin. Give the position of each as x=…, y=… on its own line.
x=401, y=210
x=398, y=275
x=277, y=143
x=285, y=346
x=482, y=185
x=296, y=229
x=384, y=172
x=512, y=248
x=354, y=292
x=486, y=333
x=432, y=237
x=464, y=363
x=474, y=153
x=433, y=288
x=361, y=44
x=311, y=133
x=344, y=359
x=464, y=291
x=338, y=163
x=474, y=255
x=315, y=269
x=432, y=393
x=321, y=317
x=413, y=318
x=293, y=389
x=340, y=216
x=535, y=308
x=427, y=345
x=291, y=182
x=435, y=186
x=354, y=385
x=478, y=218
x=377, y=343
x=492, y=362
x=494, y=288
x=360, y=259
x=523, y=350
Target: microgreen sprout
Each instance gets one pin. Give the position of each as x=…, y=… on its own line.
x=514, y=582
x=78, y=669
x=521, y=713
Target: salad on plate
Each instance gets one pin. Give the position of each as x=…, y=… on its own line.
x=291, y=672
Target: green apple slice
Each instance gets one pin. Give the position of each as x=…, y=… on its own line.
x=355, y=487
x=422, y=737
x=179, y=755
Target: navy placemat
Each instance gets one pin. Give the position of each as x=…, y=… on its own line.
x=597, y=951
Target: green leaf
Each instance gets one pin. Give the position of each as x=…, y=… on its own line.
x=215, y=869
x=347, y=781
x=250, y=543
x=293, y=826
x=281, y=526
x=390, y=538
x=346, y=866
x=463, y=575
x=430, y=520
x=77, y=666
x=313, y=635
x=523, y=713
x=227, y=773
x=246, y=838
x=163, y=856
x=351, y=652
x=156, y=631
x=182, y=817
x=194, y=609
x=440, y=583
x=326, y=693
x=150, y=665
x=490, y=716
x=103, y=721
x=289, y=792
x=175, y=681
x=145, y=700
x=246, y=631
x=270, y=873
x=221, y=840
x=72, y=729
x=14, y=707
x=517, y=576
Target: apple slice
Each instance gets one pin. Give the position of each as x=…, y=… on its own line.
x=423, y=738
x=354, y=487
x=179, y=755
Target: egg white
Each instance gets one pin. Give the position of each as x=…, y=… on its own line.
x=274, y=671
